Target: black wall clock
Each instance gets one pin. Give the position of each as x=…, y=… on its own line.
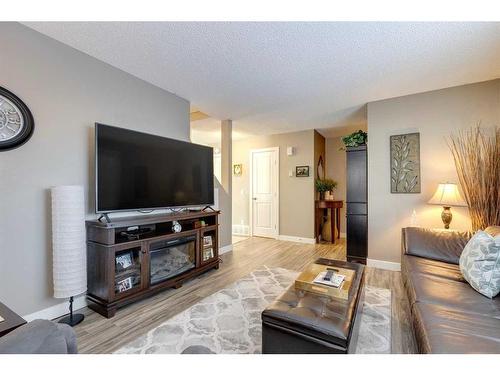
x=16, y=121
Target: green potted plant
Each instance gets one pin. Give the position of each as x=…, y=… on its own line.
x=355, y=139
x=324, y=185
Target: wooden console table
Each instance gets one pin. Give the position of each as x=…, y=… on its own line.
x=334, y=207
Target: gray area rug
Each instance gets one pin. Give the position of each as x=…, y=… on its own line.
x=229, y=321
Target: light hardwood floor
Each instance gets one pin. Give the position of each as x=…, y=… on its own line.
x=97, y=334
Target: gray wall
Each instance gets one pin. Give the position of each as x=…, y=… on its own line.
x=336, y=170
x=67, y=91
x=296, y=193
x=225, y=207
x=435, y=115
x=225, y=231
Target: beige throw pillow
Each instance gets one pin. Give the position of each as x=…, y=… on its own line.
x=480, y=263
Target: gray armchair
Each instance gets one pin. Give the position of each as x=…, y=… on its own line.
x=40, y=337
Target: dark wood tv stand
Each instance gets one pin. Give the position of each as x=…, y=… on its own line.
x=119, y=264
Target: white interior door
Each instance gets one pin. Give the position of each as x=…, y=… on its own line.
x=264, y=199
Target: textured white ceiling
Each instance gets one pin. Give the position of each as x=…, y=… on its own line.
x=280, y=77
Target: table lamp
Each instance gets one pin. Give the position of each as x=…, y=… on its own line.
x=447, y=195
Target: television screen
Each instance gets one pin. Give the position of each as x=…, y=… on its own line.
x=138, y=171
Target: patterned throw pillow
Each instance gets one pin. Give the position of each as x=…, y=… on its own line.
x=480, y=263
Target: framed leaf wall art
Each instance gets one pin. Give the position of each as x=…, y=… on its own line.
x=405, y=163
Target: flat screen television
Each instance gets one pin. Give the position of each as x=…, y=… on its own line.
x=138, y=172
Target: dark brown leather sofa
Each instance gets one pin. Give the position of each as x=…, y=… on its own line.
x=448, y=315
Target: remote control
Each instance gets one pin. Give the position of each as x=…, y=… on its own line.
x=328, y=275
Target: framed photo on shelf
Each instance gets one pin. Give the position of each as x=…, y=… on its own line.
x=124, y=261
x=207, y=240
x=208, y=254
x=124, y=284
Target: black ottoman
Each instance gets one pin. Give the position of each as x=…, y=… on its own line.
x=305, y=323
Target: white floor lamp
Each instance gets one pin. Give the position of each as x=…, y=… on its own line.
x=68, y=244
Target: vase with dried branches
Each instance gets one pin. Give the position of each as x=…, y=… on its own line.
x=476, y=153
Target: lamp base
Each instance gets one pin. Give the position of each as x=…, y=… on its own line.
x=72, y=319
x=446, y=216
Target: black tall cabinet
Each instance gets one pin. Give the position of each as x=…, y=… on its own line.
x=357, y=204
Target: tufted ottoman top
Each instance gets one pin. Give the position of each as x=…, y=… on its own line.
x=325, y=318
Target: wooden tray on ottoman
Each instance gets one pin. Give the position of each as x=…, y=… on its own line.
x=305, y=281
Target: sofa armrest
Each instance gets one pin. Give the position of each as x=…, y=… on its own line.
x=437, y=244
x=40, y=337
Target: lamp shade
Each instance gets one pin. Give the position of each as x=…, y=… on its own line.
x=447, y=195
x=68, y=241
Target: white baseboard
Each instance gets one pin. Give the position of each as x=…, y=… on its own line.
x=391, y=266
x=241, y=230
x=282, y=237
x=58, y=310
x=226, y=249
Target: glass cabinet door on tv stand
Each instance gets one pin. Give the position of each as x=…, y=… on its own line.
x=208, y=245
x=128, y=270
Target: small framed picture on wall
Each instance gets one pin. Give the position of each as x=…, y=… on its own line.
x=237, y=169
x=302, y=171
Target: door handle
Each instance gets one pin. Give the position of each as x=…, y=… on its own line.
x=254, y=199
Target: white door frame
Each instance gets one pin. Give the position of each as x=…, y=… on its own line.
x=277, y=181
